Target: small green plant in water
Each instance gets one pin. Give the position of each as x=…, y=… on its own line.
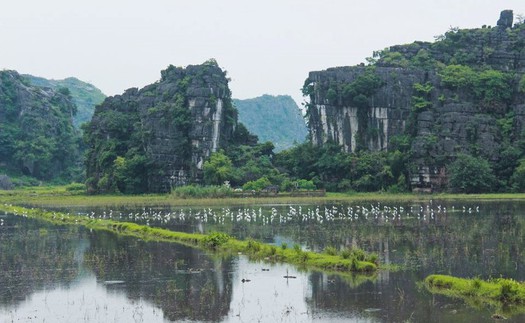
x=506, y=294
x=253, y=246
x=346, y=253
x=359, y=254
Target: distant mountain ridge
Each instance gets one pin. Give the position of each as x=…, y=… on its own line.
x=277, y=119
x=85, y=95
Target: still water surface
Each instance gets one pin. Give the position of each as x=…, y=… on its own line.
x=67, y=274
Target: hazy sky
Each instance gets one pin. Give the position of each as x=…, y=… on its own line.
x=266, y=46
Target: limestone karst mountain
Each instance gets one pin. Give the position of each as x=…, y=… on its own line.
x=150, y=139
x=462, y=94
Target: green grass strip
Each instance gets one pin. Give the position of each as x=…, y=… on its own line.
x=217, y=242
x=507, y=295
x=48, y=196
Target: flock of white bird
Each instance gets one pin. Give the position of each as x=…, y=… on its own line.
x=272, y=215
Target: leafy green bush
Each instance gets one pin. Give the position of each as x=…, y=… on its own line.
x=306, y=184
x=458, y=76
x=469, y=174
x=346, y=253
x=254, y=246
x=359, y=254
x=257, y=185
x=217, y=169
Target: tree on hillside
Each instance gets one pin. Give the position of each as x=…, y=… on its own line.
x=217, y=169
x=469, y=174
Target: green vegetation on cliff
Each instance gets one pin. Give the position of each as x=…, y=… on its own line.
x=37, y=137
x=449, y=115
x=159, y=137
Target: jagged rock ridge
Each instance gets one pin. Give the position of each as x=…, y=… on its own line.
x=151, y=139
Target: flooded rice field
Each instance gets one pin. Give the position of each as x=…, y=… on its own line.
x=52, y=273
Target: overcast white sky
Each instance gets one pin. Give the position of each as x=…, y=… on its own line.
x=266, y=46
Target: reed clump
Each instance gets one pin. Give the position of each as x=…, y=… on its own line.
x=507, y=295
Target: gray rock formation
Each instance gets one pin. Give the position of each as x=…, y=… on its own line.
x=505, y=19
x=171, y=126
x=411, y=99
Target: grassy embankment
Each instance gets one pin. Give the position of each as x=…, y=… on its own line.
x=219, y=242
x=506, y=295
x=54, y=196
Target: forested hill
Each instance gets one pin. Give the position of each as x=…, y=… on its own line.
x=37, y=137
x=277, y=119
x=454, y=104
x=86, y=96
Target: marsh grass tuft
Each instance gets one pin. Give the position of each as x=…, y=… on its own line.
x=215, y=240
x=330, y=251
x=195, y=191
x=506, y=294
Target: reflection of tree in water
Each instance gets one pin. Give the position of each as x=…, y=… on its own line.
x=461, y=241
x=184, y=282
x=461, y=244
x=393, y=299
x=36, y=256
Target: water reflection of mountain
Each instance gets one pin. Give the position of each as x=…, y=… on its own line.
x=34, y=256
x=480, y=238
x=488, y=243
x=395, y=299
x=468, y=239
x=186, y=283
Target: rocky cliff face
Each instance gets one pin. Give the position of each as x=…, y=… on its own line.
x=462, y=94
x=159, y=136
x=360, y=127
x=37, y=137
